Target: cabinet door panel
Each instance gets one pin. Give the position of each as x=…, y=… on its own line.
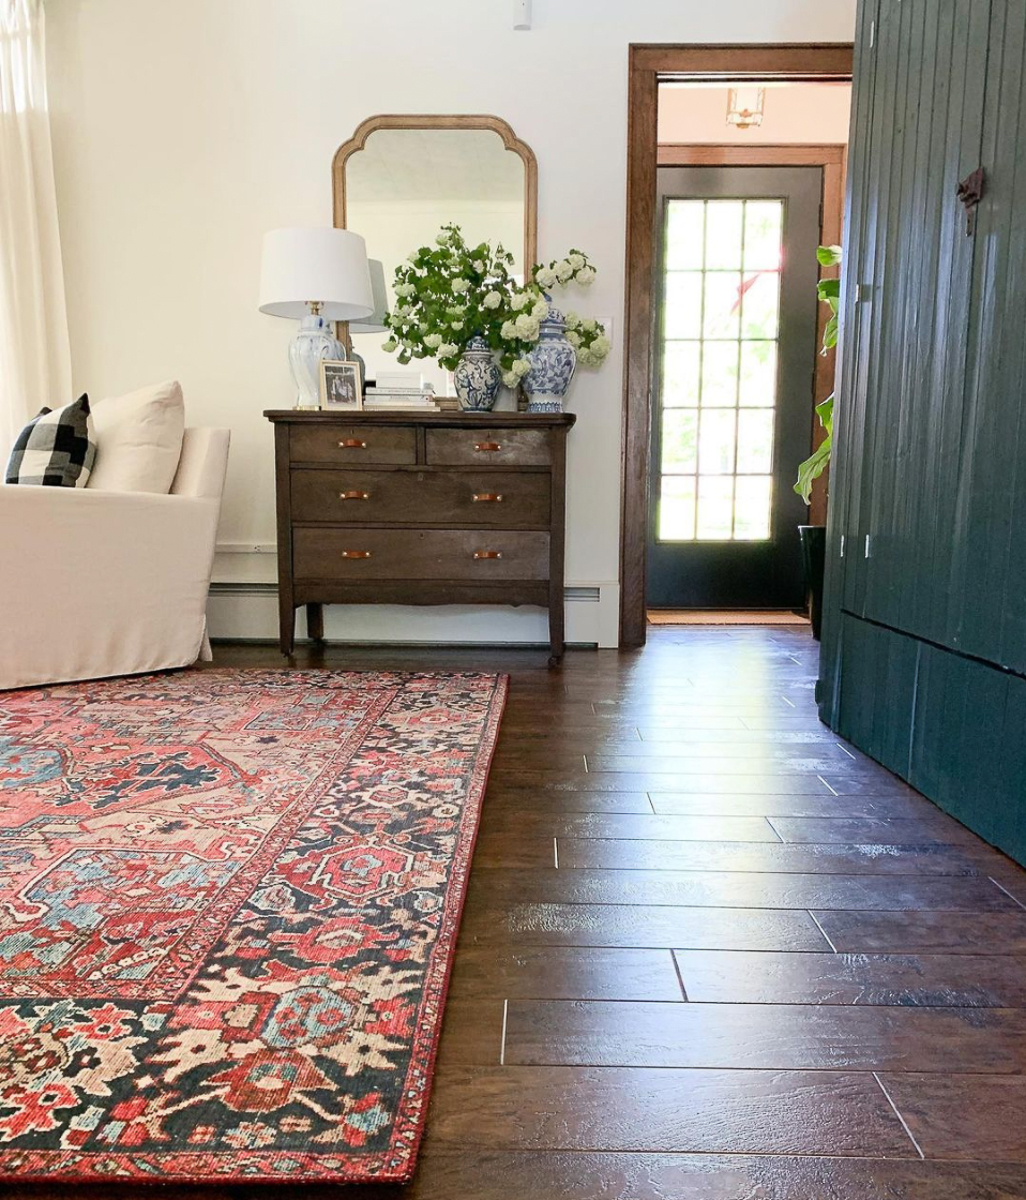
x=923, y=264
x=987, y=476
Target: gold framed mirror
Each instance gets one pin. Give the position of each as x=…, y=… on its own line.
x=399, y=179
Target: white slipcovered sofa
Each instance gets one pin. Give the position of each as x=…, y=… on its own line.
x=96, y=583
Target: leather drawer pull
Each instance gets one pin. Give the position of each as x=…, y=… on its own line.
x=488, y=447
x=354, y=495
x=488, y=554
x=352, y=444
x=356, y=554
x=487, y=497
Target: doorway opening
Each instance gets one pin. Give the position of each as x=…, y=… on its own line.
x=736, y=173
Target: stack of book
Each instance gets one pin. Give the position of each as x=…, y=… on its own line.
x=378, y=398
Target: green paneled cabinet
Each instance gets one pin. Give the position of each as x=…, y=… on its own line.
x=926, y=576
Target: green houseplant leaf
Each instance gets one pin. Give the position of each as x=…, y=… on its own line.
x=829, y=293
x=819, y=460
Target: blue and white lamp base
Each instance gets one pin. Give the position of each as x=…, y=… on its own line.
x=314, y=343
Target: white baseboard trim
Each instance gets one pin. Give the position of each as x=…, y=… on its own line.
x=249, y=611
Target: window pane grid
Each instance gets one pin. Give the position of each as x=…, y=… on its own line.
x=719, y=359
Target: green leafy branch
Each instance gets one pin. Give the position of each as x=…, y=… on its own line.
x=829, y=293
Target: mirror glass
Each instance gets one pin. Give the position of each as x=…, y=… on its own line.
x=403, y=185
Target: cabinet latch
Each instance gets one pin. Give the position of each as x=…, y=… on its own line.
x=970, y=192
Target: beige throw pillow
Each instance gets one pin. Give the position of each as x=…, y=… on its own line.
x=139, y=439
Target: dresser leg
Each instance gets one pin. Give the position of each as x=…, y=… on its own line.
x=315, y=621
x=556, y=621
x=286, y=624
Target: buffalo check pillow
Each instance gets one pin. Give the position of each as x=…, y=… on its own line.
x=55, y=449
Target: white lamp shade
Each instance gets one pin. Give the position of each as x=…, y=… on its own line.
x=375, y=323
x=323, y=266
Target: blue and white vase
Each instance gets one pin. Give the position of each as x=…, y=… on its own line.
x=553, y=362
x=477, y=377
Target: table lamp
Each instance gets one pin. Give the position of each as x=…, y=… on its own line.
x=315, y=276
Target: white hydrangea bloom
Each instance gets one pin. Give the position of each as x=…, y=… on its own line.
x=509, y=331
x=564, y=271
x=601, y=346
x=390, y=345
x=478, y=266
x=527, y=327
x=576, y=261
x=447, y=350
x=546, y=277
x=443, y=238
x=492, y=300
x=572, y=320
x=540, y=310
x=573, y=338
x=518, y=300
x=589, y=323
x=459, y=286
x=521, y=367
x=457, y=325
x=510, y=378
x=433, y=340
x=586, y=275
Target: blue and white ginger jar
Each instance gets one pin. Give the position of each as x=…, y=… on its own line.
x=477, y=377
x=553, y=362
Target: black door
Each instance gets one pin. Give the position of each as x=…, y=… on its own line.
x=734, y=375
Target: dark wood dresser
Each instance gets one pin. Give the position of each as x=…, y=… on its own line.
x=410, y=508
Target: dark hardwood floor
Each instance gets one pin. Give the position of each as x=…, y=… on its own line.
x=709, y=951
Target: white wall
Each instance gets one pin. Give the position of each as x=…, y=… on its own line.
x=810, y=113
x=182, y=131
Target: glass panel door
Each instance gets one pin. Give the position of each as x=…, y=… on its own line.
x=727, y=390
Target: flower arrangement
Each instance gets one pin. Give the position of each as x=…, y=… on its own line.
x=449, y=293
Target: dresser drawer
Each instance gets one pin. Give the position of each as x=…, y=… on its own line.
x=478, y=555
x=495, y=498
x=489, y=448
x=355, y=444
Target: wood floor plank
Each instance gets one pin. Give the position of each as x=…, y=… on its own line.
x=753, y=856
x=666, y=735
x=632, y=827
x=564, y=972
x=739, y=889
x=966, y=1117
x=925, y=932
x=829, y=806
x=728, y=763
x=518, y=800
x=652, y=781
x=598, y=1033
x=555, y=1175
x=927, y=980
x=675, y=750
x=642, y=926
x=712, y=1112
x=897, y=831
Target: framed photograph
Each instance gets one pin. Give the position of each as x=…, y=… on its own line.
x=341, y=385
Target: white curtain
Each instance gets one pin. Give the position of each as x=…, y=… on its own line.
x=35, y=355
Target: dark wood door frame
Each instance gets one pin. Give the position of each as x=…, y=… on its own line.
x=648, y=67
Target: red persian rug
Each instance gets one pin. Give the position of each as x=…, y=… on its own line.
x=228, y=908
